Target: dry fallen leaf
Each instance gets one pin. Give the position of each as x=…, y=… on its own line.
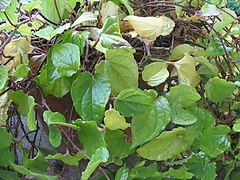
x=151, y=27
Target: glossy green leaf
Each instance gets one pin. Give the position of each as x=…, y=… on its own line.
x=5, y=174
x=110, y=35
x=215, y=140
x=51, y=118
x=122, y=173
x=7, y=140
x=25, y=106
x=90, y=95
x=25, y=171
x=179, y=51
x=37, y=164
x=168, y=144
x=50, y=11
x=214, y=89
x=90, y=136
x=3, y=76
x=76, y=38
x=113, y=120
x=209, y=171
x=133, y=102
x=51, y=82
x=145, y=172
x=187, y=73
x=155, y=73
x=116, y=144
x=209, y=10
x=182, y=95
x=149, y=124
x=21, y=71
x=183, y=116
x=215, y=48
x=121, y=69
x=236, y=125
x=66, y=58
x=67, y=158
x=49, y=32
x=180, y=173
x=100, y=156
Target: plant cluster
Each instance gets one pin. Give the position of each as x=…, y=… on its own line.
x=149, y=87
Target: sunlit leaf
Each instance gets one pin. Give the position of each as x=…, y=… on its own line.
x=236, y=126
x=155, y=73
x=101, y=155
x=168, y=145
x=151, y=27
x=113, y=120
x=187, y=73
x=4, y=105
x=181, y=173
x=86, y=16
x=179, y=51
x=121, y=69
x=3, y=76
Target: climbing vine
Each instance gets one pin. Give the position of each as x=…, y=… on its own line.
x=129, y=89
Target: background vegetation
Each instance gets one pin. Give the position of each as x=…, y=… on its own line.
x=131, y=89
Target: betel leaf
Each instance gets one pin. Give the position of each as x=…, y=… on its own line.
x=168, y=144
x=113, y=120
x=90, y=136
x=122, y=173
x=218, y=90
x=110, y=34
x=127, y=5
x=29, y=6
x=149, y=124
x=3, y=76
x=67, y=158
x=7, y=140
x=52, y=11
x=183, y=95
x=133, y=102
x=215, y=140
x=155, y=73
x=100, y=156
x=209, y=171
x=55, y=136
x=141, y=171
x=90, y=95
x=179, y=51
x=25, y=171
x=21, y=71
x=37, y=164
x=183, y=116
x=206, y=68
x=236, y=125
x=116, y=144
x=151, y=27
x=187, y=73
x=180, y=173
x=66, y=58
x=51, y=82
x=121, y=69
x=49, y=32
x=25, y=106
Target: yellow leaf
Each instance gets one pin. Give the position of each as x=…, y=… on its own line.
x=4, y=104
x=187, y=73
x=151, y=27
x=11, y=50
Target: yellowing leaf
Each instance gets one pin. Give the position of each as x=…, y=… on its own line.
x=151, y=27
x=86, y=16
x=187, y=73
x=11, y=50
x=113, y=120
x=4, y=104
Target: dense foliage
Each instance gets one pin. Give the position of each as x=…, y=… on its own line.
x=137, y=89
